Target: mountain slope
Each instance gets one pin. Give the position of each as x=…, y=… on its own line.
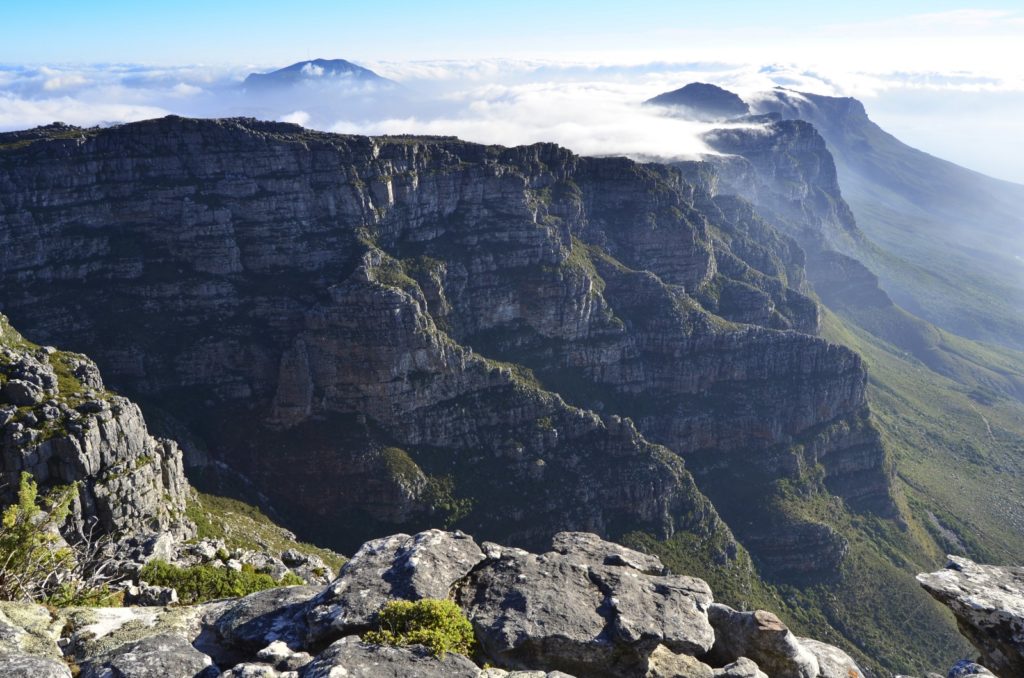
x=412, y=331
x=336, y=311
x=947, y=241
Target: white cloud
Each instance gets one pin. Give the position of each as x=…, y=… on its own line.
x=20, y=114
x=297, y=117
x=591, y=118
x=312, y=70
x=183, y=89
x=588, y=106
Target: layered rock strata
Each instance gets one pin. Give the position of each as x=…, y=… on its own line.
x=322, y=311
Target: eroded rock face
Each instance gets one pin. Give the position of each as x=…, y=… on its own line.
x=763, y=638
x=72, y=429
x=988, y=602
x=348, y=278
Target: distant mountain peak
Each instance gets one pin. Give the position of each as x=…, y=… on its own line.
x=703, y=101
x=314, y=70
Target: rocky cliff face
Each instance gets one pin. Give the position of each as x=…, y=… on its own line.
x=405, y=330
x=59, y=424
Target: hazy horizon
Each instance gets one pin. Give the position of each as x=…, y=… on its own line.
x=941, y=76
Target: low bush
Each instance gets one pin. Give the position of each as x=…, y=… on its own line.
x=200, y=583
x=438, y=625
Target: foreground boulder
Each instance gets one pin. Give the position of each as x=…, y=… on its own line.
x=398, y=567
x=165, y=655
x=586, y=608
x=351, y=657
x=988, y=603
x=591, y=611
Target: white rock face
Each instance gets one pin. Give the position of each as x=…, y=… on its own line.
x=988, y=602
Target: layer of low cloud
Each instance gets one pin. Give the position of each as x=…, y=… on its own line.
x=594, y=108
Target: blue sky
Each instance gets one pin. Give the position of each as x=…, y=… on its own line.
x=945, y=76
x=260, y=31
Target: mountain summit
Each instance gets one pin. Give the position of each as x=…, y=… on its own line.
x=314, y=71
x=704, y=101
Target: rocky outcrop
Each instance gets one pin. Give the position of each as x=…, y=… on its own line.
x=587, y=608
x=988, y=603
x=322, y=311
x=60, y=425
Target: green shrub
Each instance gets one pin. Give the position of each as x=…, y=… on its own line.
x=34, y=560
x=200, y=583
x=439, y=625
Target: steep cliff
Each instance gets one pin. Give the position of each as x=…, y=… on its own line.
x=59, y=424
x=946, y=238
x=326, y=314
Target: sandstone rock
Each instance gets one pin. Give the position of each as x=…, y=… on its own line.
x=832, y=662
x=282, y=657
x=147, y=595
x=596, y=551
x=351, y=657
x=28, y=629
x=22, y=393
x=132, y=483
x=159, y=656
x=399, y=567
x=502, y=673
x=257, y=670
x=965, y=668
x=741, y=668
x=17, y=665
x=561, y=610
x=664, y=663
x=266, y=617
x=988, y=603
x=761, y=637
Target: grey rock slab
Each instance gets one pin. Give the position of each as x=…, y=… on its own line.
x=27, y=628
x=587, y=611
x=664, y=663
x=965, y=668
x=259, y=619
x=761, y=637
x=22, y=393
x=160, y=656
x=282, y=657
x=538, y=611
x=741, y=668
x=669, y=610
x=832, y=662
x=398, y=567
x=988, y=603
x=18, y=665
x=254, y=670
x=593, y=549
x=352, y=658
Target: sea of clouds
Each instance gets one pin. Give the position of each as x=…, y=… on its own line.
x=593, y=109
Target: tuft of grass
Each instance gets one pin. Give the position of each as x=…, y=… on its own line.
x=240, y=525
